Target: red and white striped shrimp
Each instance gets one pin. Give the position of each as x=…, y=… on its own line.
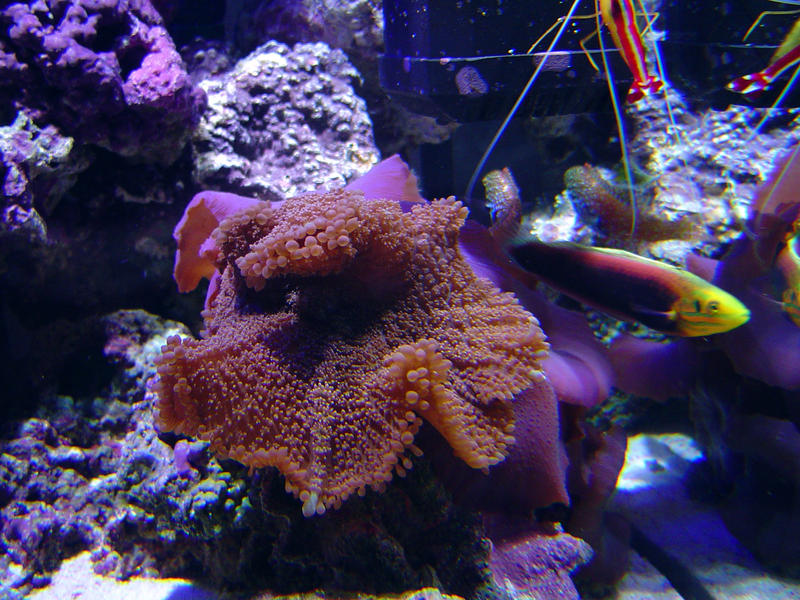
x=786, y=57
x=620, y=18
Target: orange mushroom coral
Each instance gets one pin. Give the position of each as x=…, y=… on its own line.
x=340, y=324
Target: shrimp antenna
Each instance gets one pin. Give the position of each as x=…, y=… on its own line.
x=768, y=111
x=626, y=164
x=663, y=76
x=482, y=162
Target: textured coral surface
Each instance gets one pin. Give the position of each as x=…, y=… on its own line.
x=614, y=215
x=283, y=121
x=339, y=325
x=36, y=163
x=106, y=72
x=537, y=563
x=92, y=475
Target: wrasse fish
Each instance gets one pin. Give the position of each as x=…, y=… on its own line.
x=786, y=56
x=619, y=17
x=631, y=287
x=788, y=263
x=503, y=202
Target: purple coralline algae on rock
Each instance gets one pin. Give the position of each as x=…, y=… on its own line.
x=355, y=26
x=704, y=168
x=93, y=475
x=106, y=72
x=537, y=564
x=707, y=165
x=62, y=472
x=282, y=120
x=207, y=58
x=35, y=164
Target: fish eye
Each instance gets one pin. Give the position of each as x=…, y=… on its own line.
x=713, y=306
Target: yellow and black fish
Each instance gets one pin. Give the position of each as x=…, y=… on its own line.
x=631, y=287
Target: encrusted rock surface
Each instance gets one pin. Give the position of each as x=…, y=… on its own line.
x=704, y=169
x=105, y=72
x=36, y=164
x=93, y=475
x=355, y=26
x=284, y=121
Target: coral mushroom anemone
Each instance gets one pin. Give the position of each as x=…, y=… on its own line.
x=339, y=324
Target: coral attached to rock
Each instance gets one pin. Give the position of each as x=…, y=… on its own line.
x=92, y=475
x=355, y=26
x=106, y=72
x=339, y=324
x=536, y=561
x=37, y=166
x=281, y=119
x=614, y=216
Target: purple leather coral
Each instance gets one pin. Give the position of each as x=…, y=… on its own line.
x=105, y=71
